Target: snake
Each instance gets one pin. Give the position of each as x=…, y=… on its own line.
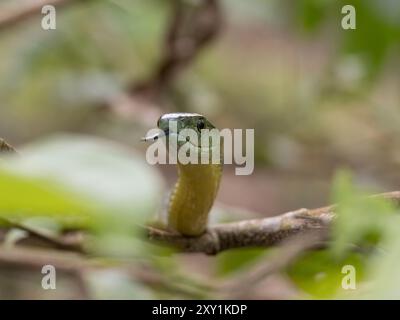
x=194, y=193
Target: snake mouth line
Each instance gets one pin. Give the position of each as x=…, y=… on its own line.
x=167, y=133
x=156, y=136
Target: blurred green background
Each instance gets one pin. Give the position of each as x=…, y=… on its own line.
x=317, y=96
x=320, y=98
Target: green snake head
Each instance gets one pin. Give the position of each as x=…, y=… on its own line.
x=173, y=124
x=192, y=128
x=185, y=120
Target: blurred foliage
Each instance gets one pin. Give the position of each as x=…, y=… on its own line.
x=81, y=182
x=320, y=275
x=111, y=191
x=360, y=218
x=99, y=47
x=317, y=95
x=235, y=260
x=377, y=33
x=365, y=236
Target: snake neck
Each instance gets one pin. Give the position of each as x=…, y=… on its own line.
x=193, y=196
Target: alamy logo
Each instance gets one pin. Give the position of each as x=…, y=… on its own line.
x=49, y=278
x=49, y=20
x=349, y=280
x=349, y=20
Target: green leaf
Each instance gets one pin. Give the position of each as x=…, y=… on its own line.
x=312, y=12
x=320, y=275
x=361, y=219
x=22, y=197
x=79, y=176
x=234, y=260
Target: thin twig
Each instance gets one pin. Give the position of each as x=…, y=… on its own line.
x=63, y=242
x=193, y=26
x=5, y=147
x=243, y=283
x=80, y=266
x=37, y=258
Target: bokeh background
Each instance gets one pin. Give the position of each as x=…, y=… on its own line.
x=320, y=98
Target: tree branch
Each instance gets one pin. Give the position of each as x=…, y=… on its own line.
x=5, y=147
x=192, y=27
x=257, y=232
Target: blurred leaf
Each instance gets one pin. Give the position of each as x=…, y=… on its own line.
x=237, y=259
x=320, y=275
x=82, y=181
x=371, y=25
x=24, y=197
x=115, y=284
x=359, y=217
x=362, y=222
x=384, y=274
x=312, y=12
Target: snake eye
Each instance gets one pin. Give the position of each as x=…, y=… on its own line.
x=200, y=124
